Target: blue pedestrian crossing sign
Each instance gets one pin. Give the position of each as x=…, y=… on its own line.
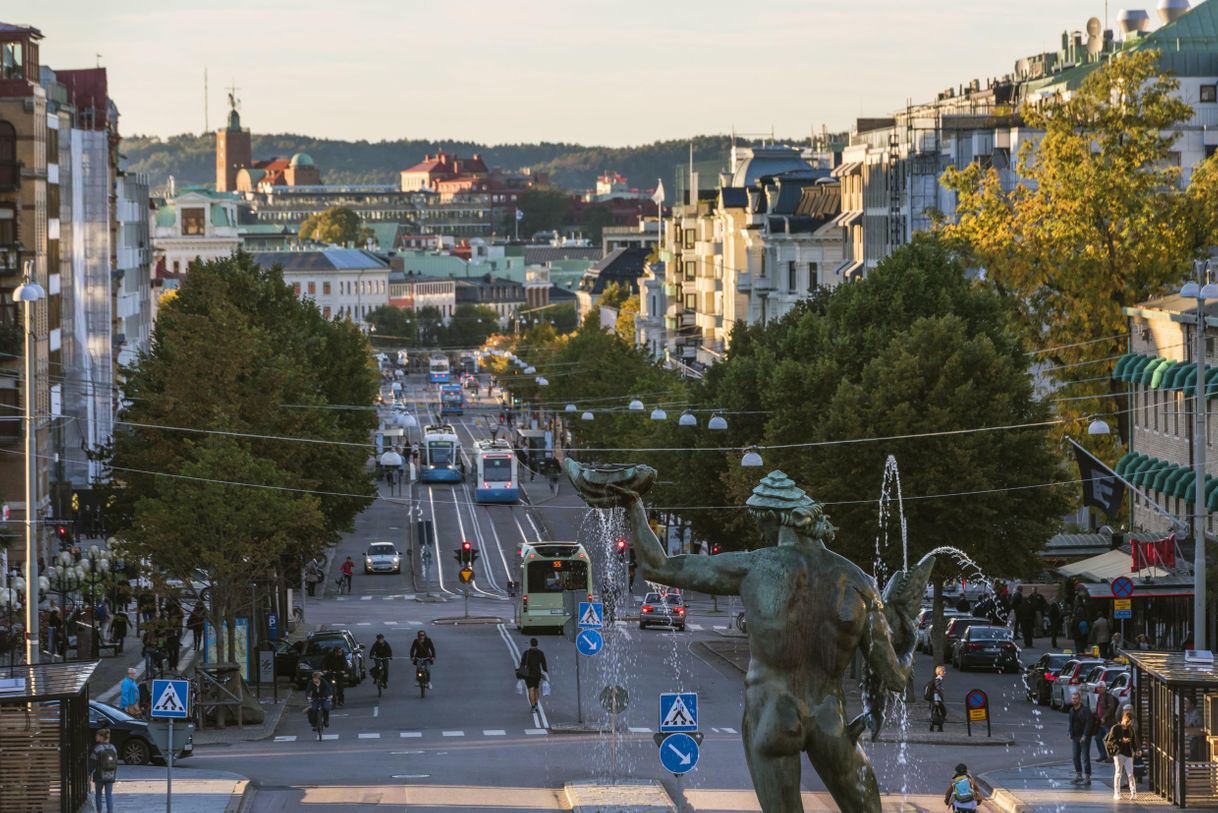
x=591, y=615
x=679, y=711
x=589, y=642
x=679, y=753
x=170, y=699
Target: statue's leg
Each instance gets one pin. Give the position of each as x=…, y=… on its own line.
x=844, y=768
x=772, y=734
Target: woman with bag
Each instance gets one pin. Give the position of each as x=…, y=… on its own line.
x=532, y=667
x=1122, y=744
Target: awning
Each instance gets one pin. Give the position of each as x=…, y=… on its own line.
x=848, y=219
x=846, y=169
x=1108, y=566
x=848, y=269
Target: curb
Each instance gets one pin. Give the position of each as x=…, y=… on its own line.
x=461, y=621
x=243, y=801
x=1008, y=802
x=634, y=797
x=723, y=657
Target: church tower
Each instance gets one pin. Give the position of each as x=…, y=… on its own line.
x=232, y=148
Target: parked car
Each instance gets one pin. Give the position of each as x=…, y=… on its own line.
x=664, y=609
x=287, y=657
x=1038, y=678
x=1069, y=681
x=986, y=647
x=956, y=628
x=382, y=557
x=319, y=644
x=1108, y=674
x=129, y=735
x=925, y=626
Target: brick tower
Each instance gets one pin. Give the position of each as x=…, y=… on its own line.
x=232, y=149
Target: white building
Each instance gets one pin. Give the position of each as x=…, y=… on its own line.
x=194, y=223
x=344, y=283
x=133, y=255
x=411, y=291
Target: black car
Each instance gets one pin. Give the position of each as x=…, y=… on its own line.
x=1038, y=678
x=955, y=628
x=130, y=735
x=987, y=648
x=322, y=642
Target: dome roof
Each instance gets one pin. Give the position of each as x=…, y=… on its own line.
x=234, y=120
x=762, y=161
x=301, y=159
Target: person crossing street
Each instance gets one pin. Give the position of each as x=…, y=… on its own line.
x=533, y=667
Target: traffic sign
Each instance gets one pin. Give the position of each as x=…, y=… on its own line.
x=679, y=753
x=589, y=642
x=170, y=699
x=466, y=574
x=1122, y=608
x=1122, y=587
x=591, y=615
x=679, y=711
x=978, y=705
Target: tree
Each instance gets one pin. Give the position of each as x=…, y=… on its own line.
x=596, y=218
x=564, y=317
x=545, y=209
x=627, y=314
x=1095, y=223
x=338, y=225
x=471, y=325
x=430, y=325
x=209, y=473
x=393, y=326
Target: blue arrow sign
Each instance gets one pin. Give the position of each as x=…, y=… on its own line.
x=589, y=642
x=679, y=711
x=591, y=615
x=679, y=753
x=170, y=699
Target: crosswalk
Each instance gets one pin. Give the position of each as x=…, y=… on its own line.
x=390, y=623
x=390, y=597
x=453, y=733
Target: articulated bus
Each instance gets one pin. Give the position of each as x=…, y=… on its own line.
x=495, y=472
x=440, y=455
x=452, y=400
x=437, y=369
x=547, y=569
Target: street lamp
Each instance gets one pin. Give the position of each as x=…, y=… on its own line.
x=717, y=423
x=587, y=416
x=1199, y=289
x=28, y=293
x=94, y=569
x=62, y=578
x=636, y=405
x=1098, y=426
x=659, y=414
x=752, y=458
x=687, y=419
x=570, y=408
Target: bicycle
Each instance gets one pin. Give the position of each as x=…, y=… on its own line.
x=317, y=716
x=380, y=674
x=342, y=585
x=422, y=674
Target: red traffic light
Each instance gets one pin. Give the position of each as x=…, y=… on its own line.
x=621, y=544
x=62, y=531
x=714, y=549
x=466, y=546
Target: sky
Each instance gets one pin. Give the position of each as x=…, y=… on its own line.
x=612, y=73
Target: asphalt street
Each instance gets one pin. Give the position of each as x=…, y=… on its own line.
x=472, y=742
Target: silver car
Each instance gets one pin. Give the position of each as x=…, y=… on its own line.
x=382, y=557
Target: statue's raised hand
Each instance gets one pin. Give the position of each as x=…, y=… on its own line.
x=610, y=485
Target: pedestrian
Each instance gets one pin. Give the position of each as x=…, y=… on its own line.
x=129, y=693
x=1101, y=633
x=101, y=614
x=347, y=569
x=963, y=793
x=173, y=647
x=554, y=481
x=1115, y=644
x=1080, y=628
x=1055, y=622
x=533, y=669
x=934, y=693
x=1122, y=744
x=1106, y=711
x=118, y=629
x=962, y=604
x=1025, y=619
x=54, y=628
x=312, y=576
x=1142, y=643
x=103, y=767
x=1081, y=726
x=195, y=623
x=151, y=651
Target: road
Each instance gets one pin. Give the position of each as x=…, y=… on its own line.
x=472, y=742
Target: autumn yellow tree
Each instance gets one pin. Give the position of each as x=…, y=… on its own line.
x=1097, y=222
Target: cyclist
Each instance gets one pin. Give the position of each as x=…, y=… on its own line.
x=963, y=793
x=335, y=664
x=347, y=569
x=318, y=693
x=423, y=650
x=380, y=653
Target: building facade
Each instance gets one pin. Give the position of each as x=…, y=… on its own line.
x=413, y=292
x=344, y=283
x=194, y=223
x=505, y=296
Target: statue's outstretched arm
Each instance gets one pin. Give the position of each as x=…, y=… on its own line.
x=893, y=668
x=720, y=575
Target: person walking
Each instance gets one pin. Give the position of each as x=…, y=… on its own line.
x=935, y=695
x=1122, y=743
x=963, y=793
x=1081, y=725
x=195, y=623
x=533, y=667
x=1025, y=619
x=129, y=693
x=1106, y=710
x=54, y=629
x=1101, y=634
x=1079, y=627
x=1115, y=644
x=103, y=768
x=173, y=646
x=312, y=576
x=118, y=629
x=1055, y=622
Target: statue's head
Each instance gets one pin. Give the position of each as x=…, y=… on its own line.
x=777, y=502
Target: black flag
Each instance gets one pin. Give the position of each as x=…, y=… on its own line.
x=1102, y=488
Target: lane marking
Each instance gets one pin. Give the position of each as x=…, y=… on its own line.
x=728, y=730
x=370, y=735
x=453, y=733
x=329, y=736
x=536, y=732
x=639, y=730
x=376, y=710
x=411, y=775
x=286, y=738
x=363, y=623
x=410, y=734
x=696, y=627
x=402, y=753
x=390, y=623
x=494, y=732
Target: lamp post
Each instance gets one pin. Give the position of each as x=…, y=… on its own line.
x=10, y=600
x=63, y=578
x=94, y=569
x=28, y=293
x=1200, y=289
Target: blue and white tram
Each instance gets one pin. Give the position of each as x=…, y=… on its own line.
x=495, y=480
x=440, y=455
x=437, y=369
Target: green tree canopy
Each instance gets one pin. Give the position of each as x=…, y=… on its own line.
x=545, y=208
x=338, y=225
x=471, y=325
x=392, y=326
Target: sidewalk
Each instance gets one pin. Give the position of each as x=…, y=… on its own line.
x=1045, y=789
x=194, y=791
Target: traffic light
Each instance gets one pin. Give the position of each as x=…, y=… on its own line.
x=473, y=556
x=64, y=535
x=621, y=550
x=714, y=548
x=459, y=554
x=467, y=553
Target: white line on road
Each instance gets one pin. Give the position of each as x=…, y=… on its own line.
x=363, y=623
x=329, y=736
x=365, y=598
x=728, y=730
x=370, y=735
x=535, y=732
x=696, y=627
x=453, y=733
x=404, y=734
x=391, y=623
x=639, y=730
x=494, y=732
x=376, y=711
x=286, y=738
x=411, y=775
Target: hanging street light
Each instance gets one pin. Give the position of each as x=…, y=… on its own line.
x=752, y=458
x=687, y=419
x=717, y=423
x=658, y=414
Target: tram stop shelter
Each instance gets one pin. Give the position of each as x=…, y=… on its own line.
x=1181, y=740
x=44, y=736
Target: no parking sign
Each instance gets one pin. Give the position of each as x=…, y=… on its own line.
x=977, y=705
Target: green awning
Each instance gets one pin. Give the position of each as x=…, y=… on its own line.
x=1161, y=372
x=1185, y=486
x=1122, y=365
x=1134, y=371
x=1188, y=381
x=1173, y=375
x=1149, y=372
x=1173, y=487
x=1136, y=465
x=1124, y=462
x=1143, y=470
x=1211, y=382
x=1159, y=481
x=1211, y=493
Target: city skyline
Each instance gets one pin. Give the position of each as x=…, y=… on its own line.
x=568, y=66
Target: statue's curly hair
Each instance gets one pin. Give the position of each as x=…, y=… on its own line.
x=808, y=518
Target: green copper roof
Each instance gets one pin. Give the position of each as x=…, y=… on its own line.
x=301, y=159
x=166, y=216
x=219, y=216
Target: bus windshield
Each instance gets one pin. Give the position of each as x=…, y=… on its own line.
x=556, y=575
x=496, y=469
x=440, y=452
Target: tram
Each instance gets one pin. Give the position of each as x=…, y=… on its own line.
x=547, y=570
x=469, y=363
x=437, y=369
x=452, y=400
x=495, y=478
x=440, y=455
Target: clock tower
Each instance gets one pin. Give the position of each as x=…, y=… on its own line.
x=232, y=148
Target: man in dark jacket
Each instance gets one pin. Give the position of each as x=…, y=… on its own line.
x=335, y=665
x=1105, y=718
x=1055, y=621
x=533, y=662
x=1082, y=729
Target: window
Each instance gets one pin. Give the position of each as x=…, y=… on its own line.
x=177, y=266
x=792, y=276
x=11, y=61
x=691, y=302
x=193, y=222
x=325, y=289
x=1209, y=93
x=689, y=238
x=325, y=312
x=312, y=289
x=813, y=273
x=690, y=270
x=296, y=288
x=8, y=225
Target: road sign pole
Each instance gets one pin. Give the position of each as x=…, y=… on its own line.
x=579, y=695
x=467, y=601
x=169, y=773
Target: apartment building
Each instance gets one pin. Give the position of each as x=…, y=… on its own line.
x=344, y=283
x=412, y=291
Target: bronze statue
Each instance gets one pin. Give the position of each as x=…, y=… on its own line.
x=809, y=610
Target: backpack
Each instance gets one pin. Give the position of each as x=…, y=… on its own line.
x=1083, y=626
x=962, y=789
x=107, y=762
x=928, y=693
